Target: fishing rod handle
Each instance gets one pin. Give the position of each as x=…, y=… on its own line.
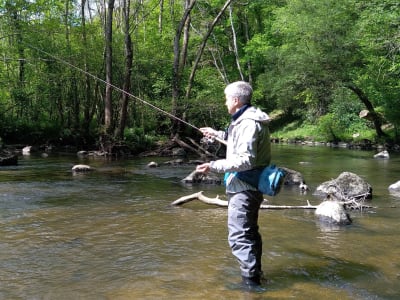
x=221, y=141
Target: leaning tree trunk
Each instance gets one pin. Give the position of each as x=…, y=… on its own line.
x=234, y=42
x=203, y=45
x=373, y=115
x=177, y=67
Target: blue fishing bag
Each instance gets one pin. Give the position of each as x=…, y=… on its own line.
x=271, y=180
x=267, y=180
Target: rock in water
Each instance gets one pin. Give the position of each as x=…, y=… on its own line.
x=333, y=212
x=383, y=154
x=346, y=185
x=197, y=177
x=81, y=168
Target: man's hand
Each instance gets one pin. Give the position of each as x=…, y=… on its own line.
x=203, y=168
x=208, y=132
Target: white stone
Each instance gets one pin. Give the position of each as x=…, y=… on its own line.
x=334, y=211
x=395, y=186
x=382, y=154
x=81, y=168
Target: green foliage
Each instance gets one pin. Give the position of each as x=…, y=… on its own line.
x=138, y=140
x=378, y=35
x=22, y=132
x=342, y=123
x=298, y=131
x=299, y=54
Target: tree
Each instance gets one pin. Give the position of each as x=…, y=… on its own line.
x=379, y=39
x=128, y=70
x=178, y=63
x=108, y=105
x=202, y=46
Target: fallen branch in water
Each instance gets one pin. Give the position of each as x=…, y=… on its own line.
x=223, y=203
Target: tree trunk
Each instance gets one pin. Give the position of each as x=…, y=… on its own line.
x=160, y=17
x=234, y=41
x=176, y=76
x=373, y=115
x=202, y=46
x=247, y=34
x=88, y=101
x=119, y=133
x=108, y=94
x=22, y=101
x=185, y=42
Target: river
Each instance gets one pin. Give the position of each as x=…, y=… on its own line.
x=112, y=233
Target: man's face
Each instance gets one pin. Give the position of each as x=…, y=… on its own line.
x=231, y=103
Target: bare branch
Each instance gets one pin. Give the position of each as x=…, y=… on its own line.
x=223, y=203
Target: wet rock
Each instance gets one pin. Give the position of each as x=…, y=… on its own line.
x=197, y=177
x=26, y=150
x=333, y=212
x=394, y=189
x=346, y=185
x=82, y=153
x=152, y=164
x=81, y=168
x=395, y=186
x=383, y=154
x=293, y=177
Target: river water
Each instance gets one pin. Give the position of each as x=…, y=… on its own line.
x=112, y=233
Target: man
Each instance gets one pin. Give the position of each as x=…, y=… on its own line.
x=248, y=149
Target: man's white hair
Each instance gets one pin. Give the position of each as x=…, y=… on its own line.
x=241, y=90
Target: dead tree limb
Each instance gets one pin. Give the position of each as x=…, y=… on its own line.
x=200, y=147
x=199, y=196
x=185, y=145
x=223, y=203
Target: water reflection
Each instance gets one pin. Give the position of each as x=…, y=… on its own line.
x=329, y=236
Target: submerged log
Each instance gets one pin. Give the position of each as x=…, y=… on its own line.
x=223, y=203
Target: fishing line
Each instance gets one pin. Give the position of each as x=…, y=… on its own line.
x=121, y=90
x=113, y=86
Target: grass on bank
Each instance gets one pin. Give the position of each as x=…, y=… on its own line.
x=297, y=131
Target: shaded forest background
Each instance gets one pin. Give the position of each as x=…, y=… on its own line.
x=314, y=65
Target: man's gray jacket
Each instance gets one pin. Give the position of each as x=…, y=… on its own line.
x=248, y=147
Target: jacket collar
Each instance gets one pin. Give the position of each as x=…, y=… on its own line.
x=237, y=114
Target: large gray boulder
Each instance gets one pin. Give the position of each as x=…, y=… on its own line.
x=346, y=186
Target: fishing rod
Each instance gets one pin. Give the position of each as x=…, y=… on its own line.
x=123, y=91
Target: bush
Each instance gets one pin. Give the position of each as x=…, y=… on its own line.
x=138, y=140
x=23, y=132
